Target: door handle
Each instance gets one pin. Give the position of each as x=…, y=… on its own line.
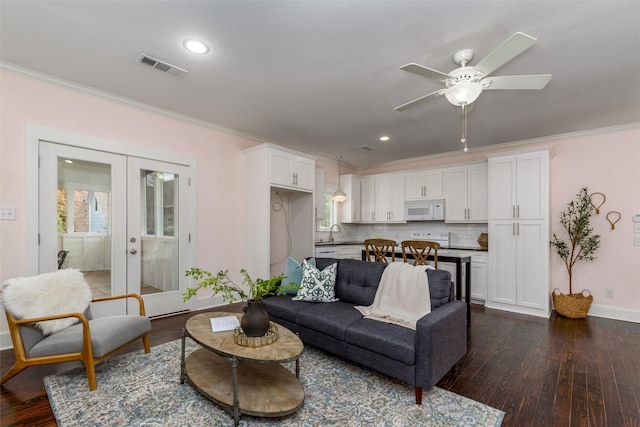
x=133, y=252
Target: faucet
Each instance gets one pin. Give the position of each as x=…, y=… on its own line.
x=331, y=231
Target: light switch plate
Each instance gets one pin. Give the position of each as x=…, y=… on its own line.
x=8, y=213
x=636, y=228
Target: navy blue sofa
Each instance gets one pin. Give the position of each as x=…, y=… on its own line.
x=421, y=357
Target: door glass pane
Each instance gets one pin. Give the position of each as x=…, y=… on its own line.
x=159, y=242
x=84, y=221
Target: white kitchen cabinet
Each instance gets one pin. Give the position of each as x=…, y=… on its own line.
x=319, y=195
x=349, y=210
x=519, y=186
x=423, y=184
x=389, y=198
x=479, y=276
x=367, y=199
x=466, y=194
x=290, y=170
x=519, y=233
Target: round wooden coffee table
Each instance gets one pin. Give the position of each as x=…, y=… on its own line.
x=258, y=386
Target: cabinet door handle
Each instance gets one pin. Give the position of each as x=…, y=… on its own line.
x=518, y=212
x=513, y=228
x=517, y=229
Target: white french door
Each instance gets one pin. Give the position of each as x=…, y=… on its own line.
x=122, y=220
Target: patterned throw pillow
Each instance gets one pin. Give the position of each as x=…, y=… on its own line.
x=316, y=285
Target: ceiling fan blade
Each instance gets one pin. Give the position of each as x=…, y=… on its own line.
x=426, y=72
x=418, y=100
x=512, y=47
x=538, y=81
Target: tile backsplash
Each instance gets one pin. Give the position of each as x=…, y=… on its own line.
x=461, y=235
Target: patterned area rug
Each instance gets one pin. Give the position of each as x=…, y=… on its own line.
x=139, y=389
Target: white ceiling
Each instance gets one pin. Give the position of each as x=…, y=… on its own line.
x=324, y=76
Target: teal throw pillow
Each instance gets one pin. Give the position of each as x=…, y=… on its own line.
x=316, y=285
x=293, y=273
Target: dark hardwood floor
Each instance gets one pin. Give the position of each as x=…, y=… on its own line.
x=541, y=372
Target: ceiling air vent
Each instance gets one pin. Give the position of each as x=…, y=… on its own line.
x=366, y=148
x=164, y=67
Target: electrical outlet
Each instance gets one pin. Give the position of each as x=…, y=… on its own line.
x=609, y=293
x=8, y=213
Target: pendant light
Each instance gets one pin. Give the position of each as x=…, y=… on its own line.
x=339, y=195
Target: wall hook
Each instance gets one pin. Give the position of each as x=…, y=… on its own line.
x=613, y=221
x=604, y=198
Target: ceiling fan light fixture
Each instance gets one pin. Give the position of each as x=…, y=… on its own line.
x=463, y=93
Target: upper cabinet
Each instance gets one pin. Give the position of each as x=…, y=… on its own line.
x=367, y=199
x=519, y=186
x=423, y=184
x=466, y=195
x=319, y=194
x=292, y=171
x=349, y=210
x=389, y=198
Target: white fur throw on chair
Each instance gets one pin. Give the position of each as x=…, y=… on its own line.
x=59, y=292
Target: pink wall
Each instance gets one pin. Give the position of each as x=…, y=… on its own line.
x=219, y=157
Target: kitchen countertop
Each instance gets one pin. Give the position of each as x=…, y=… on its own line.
x=353, y=242
x=336, y=243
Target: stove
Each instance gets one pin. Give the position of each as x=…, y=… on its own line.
x=441, y=237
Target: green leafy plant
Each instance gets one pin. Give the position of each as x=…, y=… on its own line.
x=230, y=291
x=582, y=243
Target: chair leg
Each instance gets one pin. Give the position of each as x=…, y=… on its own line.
x=145, y=341
x=15, y=370
x=418, y=396
x=91, y=374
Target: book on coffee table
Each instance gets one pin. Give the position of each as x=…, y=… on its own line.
x=225, y=323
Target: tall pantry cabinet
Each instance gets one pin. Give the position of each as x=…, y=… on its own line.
x=519, y=232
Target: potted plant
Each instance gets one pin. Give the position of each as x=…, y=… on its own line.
x=581, y=246
x=255, y=321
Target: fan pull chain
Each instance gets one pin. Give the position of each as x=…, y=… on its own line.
x=464, y=128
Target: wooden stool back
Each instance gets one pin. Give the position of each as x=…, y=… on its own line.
x=381, y=249
x=420, y=249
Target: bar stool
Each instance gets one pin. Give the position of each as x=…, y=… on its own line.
x=381, y=249
x=420, y=249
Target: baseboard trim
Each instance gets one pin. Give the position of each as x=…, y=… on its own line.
x=615, y=313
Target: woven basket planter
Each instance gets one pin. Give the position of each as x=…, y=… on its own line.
x=574, y=306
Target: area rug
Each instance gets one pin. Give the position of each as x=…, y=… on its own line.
x=139, y=389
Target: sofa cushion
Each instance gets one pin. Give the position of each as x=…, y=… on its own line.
x=330, y=319
x=317, y=285
x=107, y=334
x=283, y=307
x=440, y=287
x=357, y=281
x=393, y=341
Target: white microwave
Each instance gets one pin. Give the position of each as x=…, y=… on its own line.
x=424, y=210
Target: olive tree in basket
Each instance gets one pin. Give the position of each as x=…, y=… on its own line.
x=580, y=246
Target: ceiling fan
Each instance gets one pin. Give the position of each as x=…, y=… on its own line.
x=465, y=83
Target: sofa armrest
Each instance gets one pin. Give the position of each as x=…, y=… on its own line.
x=441, y=341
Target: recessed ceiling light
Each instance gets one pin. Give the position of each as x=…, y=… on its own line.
x=195, y=46
x=384, y=138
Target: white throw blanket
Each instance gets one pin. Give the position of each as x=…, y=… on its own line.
x=402, y=296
